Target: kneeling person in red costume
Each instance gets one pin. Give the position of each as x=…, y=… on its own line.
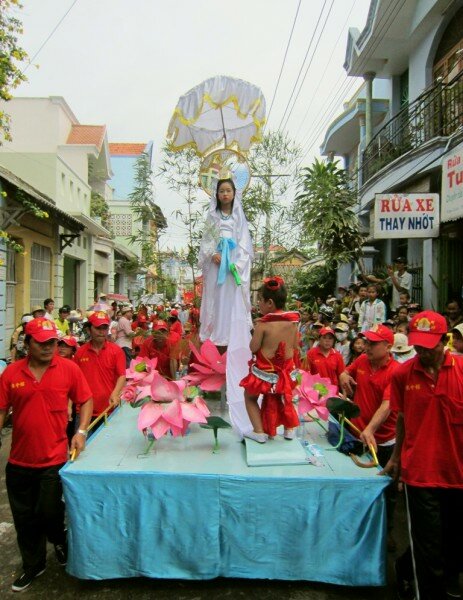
x=273, y=344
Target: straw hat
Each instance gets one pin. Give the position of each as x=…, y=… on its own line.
x=401, y=344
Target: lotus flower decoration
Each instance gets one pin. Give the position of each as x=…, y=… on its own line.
x=209, y=368
x=313, y=392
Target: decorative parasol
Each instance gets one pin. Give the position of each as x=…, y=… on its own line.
x=221, y=112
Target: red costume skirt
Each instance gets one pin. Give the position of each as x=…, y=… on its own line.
x=277, y=405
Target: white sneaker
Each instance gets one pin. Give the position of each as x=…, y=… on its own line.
x=289, y=434
x=257, y=437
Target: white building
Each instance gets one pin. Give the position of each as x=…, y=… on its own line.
x=67, y=162
x=396, y=145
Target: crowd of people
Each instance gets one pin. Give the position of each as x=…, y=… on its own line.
x=399, y=363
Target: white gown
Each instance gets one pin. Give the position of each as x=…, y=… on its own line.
x=226, y=309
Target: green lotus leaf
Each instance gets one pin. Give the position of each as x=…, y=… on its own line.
x=215, y=423
x=347, y=408
x=140, y=402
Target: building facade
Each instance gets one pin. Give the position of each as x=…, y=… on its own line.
x=406, y=134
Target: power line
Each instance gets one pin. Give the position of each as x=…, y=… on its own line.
x=309, y=65
x=50, y=35
x=303, y=64
x=386, y=21
x=326, y=66
x=284, y=60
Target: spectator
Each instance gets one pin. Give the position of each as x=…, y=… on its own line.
x=124, y=333
x=341, y=331
x=401, y=315
x=102, y=363
x=37, y=388
x=457, y=340
x=401, y=351
x=37, y=311
x=357, y=347
x=18, y=348
x=49, y=306
x=427, y=393
x=324, y=359
x=401, y=280
x=454, y=311
x=373, y=310
x=164, y=347
x=62, y=323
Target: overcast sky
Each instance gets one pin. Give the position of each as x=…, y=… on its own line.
x=125, y=63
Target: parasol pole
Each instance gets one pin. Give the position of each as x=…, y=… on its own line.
x=223, y=127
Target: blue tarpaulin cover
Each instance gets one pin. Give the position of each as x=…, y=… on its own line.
x=184, y=512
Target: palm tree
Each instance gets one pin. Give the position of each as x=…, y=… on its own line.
x=325, y=205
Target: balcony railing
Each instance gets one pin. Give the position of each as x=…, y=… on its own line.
x=437, y=112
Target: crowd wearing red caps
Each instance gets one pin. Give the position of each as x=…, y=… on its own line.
x=401, y=365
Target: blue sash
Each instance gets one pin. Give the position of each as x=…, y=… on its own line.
x=224, y=246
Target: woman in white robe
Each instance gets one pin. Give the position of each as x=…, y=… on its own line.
x=225, y=306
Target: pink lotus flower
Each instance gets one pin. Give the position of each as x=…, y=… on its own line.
x=141, y=369
x=168, y=409
x=130, y=393
x=313, y=392
x=209, y=370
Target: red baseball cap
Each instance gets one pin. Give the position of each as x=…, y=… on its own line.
x=326, y=331
x=426, y=329
x=69, y=341
x=42, y=330
x=160, y=325
x=379, y=333
x=98, y=318
x=174, y=312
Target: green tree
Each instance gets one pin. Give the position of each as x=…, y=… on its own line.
x=148, y=215
x=100, y=208
x=12, y=56
x=271, y=168
x=325, y=205
x=310, y=283
x=180, y=170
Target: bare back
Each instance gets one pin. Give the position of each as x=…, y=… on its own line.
x=268, y=336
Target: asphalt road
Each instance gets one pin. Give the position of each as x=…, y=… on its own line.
x=55, y=583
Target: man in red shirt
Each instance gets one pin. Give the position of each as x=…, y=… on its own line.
x=370, y=376
x=427, y=392
x=37, y=388
x=174, y=322
x=165, y=347
x=324, y=359
x=103, y=364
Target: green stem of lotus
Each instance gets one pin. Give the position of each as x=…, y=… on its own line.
x=150, y=445
x=216, y=443
x=320, y=423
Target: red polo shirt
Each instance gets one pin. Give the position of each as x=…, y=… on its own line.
x=169, y=350
x=40, y=410
x=102, y=370
x=432, y=451
x=373, y=387
x=330, y=366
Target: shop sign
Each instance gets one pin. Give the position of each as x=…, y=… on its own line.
x=452, y=185
x=406, y=216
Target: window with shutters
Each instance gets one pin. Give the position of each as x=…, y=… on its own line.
x=40, y=273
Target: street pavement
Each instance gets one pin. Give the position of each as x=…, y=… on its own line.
x=56, y=583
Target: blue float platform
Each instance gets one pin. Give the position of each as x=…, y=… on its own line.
x=183, y=512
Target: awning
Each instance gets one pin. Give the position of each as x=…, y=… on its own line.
x=93, y=227
x=62, y=218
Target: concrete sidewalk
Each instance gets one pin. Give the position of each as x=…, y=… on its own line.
x=55, y=583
